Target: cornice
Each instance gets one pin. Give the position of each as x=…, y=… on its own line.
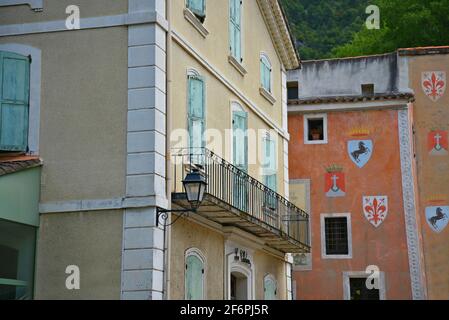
x=279, y=31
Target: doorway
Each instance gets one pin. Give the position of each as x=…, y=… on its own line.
x=239, y=286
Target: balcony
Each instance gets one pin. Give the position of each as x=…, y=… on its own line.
x=234, y=198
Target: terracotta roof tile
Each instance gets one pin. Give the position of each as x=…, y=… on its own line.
x=423, y=51
x=354, y=98
x=15, y=164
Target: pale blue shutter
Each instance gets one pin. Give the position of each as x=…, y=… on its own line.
x=196, y=115
x=14, y=101
x=270, y=176
x=235, y=37
x=270, y=289
x=270, y=164
x=194, y=278
x=265, y=74
x=198, y=7
x=240, y=143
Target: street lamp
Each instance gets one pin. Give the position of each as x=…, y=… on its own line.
x=195, y=186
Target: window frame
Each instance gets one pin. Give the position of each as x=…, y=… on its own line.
x=269, y=66
x=308, y=117
x=197, y=14
x=192, y=73
x=237, y=62
x=324, y=254
x=34, y=93
x=347, y=275
x=198, y=254
x=273, y=279
x=17, y=103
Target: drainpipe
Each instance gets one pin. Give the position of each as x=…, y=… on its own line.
x=168, y=171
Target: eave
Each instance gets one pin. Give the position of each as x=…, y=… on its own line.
x=280, y=34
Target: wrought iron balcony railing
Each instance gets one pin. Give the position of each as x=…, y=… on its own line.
x=233, y=186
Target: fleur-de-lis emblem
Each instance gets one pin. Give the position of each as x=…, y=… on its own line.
x=434, y=84
x=375, y=209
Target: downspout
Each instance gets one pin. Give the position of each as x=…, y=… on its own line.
x=168, y=171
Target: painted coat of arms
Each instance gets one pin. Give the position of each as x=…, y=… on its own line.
x=438, y=143
x=360, y=151
x=434, y=84
x=437, y=217
x=335, y=182
x=375, y=209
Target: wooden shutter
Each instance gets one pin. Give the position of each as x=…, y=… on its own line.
x=194, y=278
x=14, y=101
x=197, y=7
x=270, y=290
x=265, y=74
x=270, y=175
x=196, y=115
x=235, y=37
x=240, y=139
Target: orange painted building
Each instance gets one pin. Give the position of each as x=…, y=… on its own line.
x=352, y=166
x=428, y=69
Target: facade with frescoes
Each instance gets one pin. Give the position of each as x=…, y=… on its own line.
x=389, y=176
x=428, y=70
x=360, y=177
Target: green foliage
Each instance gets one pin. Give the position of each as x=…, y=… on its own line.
x=336, y=28
x=404, y=23
x=321, y=25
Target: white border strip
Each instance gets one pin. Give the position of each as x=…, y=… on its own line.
x=408, y=195
x=85, y=23
x=101, y=204
x=35, y=5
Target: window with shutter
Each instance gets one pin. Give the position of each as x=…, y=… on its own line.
x=265, y=73
x=235, y=29
x=196, y=112
x=240, y=158
x=14, y=101
x=198, y=7
x=269, y=168
x=270, y=163
x=194, y=278
x=270, y=290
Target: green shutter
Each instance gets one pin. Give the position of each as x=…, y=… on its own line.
x=265, y=74
x=270, y=289
x=196, y=114
x=270, y=176
x=240, y=155
x=269, y=168
x=235, y=27
x=194, y=278
x=240, y=139
x=198, y=7
x=14, y=101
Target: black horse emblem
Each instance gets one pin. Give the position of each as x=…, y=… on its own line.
x=363, y=149
x=440, y=215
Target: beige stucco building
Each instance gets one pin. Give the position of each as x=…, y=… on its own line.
x=121, y=107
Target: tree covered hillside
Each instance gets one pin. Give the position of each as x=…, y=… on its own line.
x=336, y=28
x=322, y=25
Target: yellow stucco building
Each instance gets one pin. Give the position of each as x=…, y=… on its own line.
x=125, y=99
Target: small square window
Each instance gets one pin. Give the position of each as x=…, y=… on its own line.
x=336, y=230
x=292, y=90
x=336, y=236
x=368, y=89
x=315, y=129
x=359, y=290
